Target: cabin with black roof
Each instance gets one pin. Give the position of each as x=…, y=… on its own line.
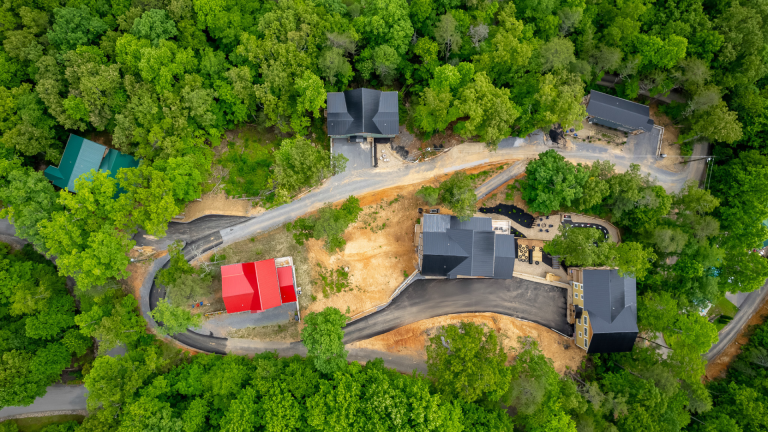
x=618, y=113
x=362, y=113
x=452, y=248
x=605, y=306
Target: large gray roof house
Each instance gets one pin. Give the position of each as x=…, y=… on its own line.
x=618, y=113
x=362, y=113
x=606, y=310
x=451, y=248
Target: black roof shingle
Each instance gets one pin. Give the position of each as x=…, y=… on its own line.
x=454, y=248
x=611, y=301
x=621, y=111
x=362, y=112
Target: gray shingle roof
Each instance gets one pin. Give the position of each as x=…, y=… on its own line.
x=435, y=222
x=611, y=300
x=474, y=242
x=617, y=110
x=362, y=111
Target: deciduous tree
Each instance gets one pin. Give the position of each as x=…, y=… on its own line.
x=174, y=319
x=468, y=362
x=322, y=335
x=552, y=183
x=458, y=195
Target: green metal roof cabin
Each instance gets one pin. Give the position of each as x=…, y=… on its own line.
x=81, y=156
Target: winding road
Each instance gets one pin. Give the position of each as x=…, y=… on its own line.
x=205, y=235
x=211, y=232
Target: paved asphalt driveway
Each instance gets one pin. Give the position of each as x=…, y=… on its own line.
x=60, y=397
x=428, y=298
x=359, y=154
x=644, y=144
x=749, y=306
x=187, y=231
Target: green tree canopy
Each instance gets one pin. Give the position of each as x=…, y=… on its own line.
x=458, y=195
x=174, y=319
x=468, y=362
x=322, y=335
x=552, y=183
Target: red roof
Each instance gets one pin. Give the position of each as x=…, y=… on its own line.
x=250, y=286
x=236, y=288
x=269, y=290
x=285, y=277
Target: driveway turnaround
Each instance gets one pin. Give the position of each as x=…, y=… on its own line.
x=358, y=154
x=540, y=303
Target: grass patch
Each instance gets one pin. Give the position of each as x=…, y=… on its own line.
x=287, y=332
x=332, y=281
x=723, y=306
x=34, y=424
x=249, y=168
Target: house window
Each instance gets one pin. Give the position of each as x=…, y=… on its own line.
x=585, y=320
x=578, y=320
x=582, y=296
x=579, y=334
x=575, y=295
x=586, y=343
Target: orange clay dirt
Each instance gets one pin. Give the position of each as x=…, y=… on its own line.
x=380, y=249
x=669, y=144
x=412, y=339
x=220, y=204
x=717, y=367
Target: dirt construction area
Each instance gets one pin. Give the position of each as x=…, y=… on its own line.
x=378, y=254
x=412, y=339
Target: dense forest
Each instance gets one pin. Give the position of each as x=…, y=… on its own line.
x=163, y=80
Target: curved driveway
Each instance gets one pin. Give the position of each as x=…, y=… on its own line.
x=364, y=181
x=213, y=231
x=540, y=303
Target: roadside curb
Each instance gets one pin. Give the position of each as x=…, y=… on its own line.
x=44, y=414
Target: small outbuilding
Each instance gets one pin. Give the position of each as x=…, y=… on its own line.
x=362, y=113
x=618, y=113
x=81, y=156
x=256, y=286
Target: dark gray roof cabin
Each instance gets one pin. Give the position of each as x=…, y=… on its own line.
x=611, y=301
x=362, y=112
x=618, y=113
x=453, y=248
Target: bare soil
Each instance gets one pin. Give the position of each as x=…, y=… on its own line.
x=717, y=367
x=412, y=339
x=380, y=251
x=414, y=144
x=668, y=141
x=218, y=203
x=595, y=133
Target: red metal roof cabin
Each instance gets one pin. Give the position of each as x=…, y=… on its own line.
x=256, y=286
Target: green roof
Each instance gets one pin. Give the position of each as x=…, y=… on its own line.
x=81, y=156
